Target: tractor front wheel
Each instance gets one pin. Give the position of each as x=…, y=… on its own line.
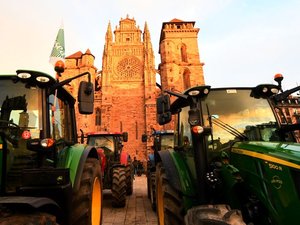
x=87, y=202
x=30, y=218
x=152, y=188
x=129, y=179
x=168, y=200
x=213, y=215
x=118, y=188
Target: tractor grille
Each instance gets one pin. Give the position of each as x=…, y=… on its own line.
x=14, y=174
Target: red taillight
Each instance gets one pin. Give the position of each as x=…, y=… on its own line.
x=26, y=134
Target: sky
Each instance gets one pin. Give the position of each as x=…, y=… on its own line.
x=241, y=42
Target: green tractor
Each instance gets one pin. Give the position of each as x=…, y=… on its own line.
x=162, y=140
x=233, y=161
x=46, y=177
x=116, y=166
x=287, y=108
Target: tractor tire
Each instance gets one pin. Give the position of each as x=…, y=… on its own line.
x=148, y=186
x=148, y=180
x=87, y=201
x=213, y=215
x=129, y=179
x=28, y=219
x=152, y=187
x=168, y=200
x=118, y=187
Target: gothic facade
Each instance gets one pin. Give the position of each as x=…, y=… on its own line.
x=125, y=87
x=128, y=84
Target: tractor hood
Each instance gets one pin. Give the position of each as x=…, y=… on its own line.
x=287, y=154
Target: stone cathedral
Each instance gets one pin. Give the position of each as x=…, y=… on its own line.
x=125, y=87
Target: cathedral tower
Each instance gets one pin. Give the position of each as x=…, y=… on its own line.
x=180, y=66
x=128, y=84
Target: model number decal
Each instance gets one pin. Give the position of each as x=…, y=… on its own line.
x=274, y=166
x=275, y=161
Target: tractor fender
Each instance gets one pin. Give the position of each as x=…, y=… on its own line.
x=177, y=172
x=77, y=158
x=124, y=158
x=170, y=168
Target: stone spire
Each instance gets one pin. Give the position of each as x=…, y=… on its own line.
x=149, y=55
x=108, y=36
x=146, y=37
x=107, y=46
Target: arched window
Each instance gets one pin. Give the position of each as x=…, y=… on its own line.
x=97, y=83
x=183, y=53
x=98, y=117
x=186, y=79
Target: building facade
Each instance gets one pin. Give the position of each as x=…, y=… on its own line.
x=128, y=84
x=180, y=66
x=125, y=87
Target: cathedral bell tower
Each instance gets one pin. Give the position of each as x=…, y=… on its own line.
x=128, y=84
x=180, y=66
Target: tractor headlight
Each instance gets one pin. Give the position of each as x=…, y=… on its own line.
x=199, y=91
x=24, y=75
x=42, y=79
x=47, y=142
x=274, y=90
x=197, y=129
x=194, y=92
x=265, y=90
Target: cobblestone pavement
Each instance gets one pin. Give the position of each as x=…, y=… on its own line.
x=137, y=211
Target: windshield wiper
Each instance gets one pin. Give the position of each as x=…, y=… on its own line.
x=228, y=128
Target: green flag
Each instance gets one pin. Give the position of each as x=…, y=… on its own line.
x=58, y=51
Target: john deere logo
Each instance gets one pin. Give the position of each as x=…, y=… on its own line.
x=276, y=182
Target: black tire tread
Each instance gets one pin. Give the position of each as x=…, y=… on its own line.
x=213, y=215
x=118, y=188
x=129, y=179
x=152, y=187
x=37, y=218
x=81, y=213
x=172, y=200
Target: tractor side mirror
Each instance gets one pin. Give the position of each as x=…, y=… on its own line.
x=86, y=97
x=144, y=138
x=164, y=118
x=164, y=115
x=125, y=136
x=163, y=104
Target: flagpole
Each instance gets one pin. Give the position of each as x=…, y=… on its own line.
x=57, y=58
x=58, y=50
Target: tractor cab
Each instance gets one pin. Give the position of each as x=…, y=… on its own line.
x=233, y=146
x=116, y=167
x=39, y=153
x=109, y=146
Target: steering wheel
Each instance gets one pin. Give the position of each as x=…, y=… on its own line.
x=8, y=124
x=11, y=130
